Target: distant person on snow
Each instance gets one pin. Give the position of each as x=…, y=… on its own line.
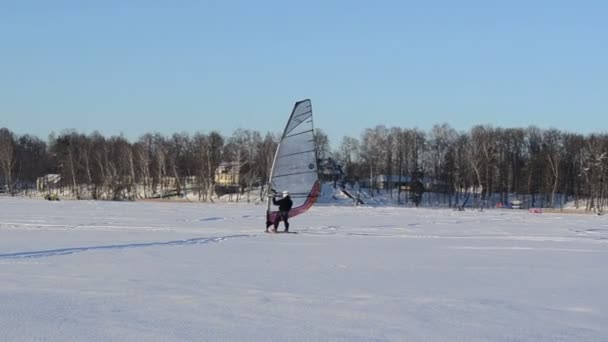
x=285, y=205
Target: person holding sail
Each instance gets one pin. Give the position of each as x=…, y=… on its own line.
x=285, y=205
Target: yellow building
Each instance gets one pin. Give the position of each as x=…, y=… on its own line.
x=227, y=174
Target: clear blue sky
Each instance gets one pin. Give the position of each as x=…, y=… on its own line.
x=133, y=67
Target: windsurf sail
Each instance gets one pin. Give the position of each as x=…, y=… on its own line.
x=294, y=167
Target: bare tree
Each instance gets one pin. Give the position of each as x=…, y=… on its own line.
x=177, y=149
x=535, y=163
x=461, y=159
x=264, y=159
x=595, y=165
x=552, y=149
x=372, y=153
x=348, y=155
x=208, y=153
x=7, y=157
x=322, y=143
x=441, y=139
x=159, y=153
x=476, y=157
x=31, y=160
x=67, y=147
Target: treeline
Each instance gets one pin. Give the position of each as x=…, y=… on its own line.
x=483, y=165
x=93, y=166
x=545, y=167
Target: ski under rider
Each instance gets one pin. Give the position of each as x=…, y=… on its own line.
x=285, y=205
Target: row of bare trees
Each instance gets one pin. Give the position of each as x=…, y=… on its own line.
x=93, y=166
x=486, y=164
x=546, y=168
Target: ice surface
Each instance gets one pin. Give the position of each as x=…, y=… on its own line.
x=143, y=271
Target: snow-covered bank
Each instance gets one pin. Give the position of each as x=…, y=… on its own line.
x=141, y=271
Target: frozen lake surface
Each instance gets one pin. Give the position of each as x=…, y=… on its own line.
x=150, y=271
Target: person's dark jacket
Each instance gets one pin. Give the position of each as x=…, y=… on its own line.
x=284, y=203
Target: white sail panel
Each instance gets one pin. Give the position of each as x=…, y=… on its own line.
x=295, y=163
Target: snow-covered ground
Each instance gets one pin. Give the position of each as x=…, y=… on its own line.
x=146, y=271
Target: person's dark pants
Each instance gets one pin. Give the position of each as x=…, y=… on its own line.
x=281, y=215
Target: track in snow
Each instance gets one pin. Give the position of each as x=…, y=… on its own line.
x=73, y=250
